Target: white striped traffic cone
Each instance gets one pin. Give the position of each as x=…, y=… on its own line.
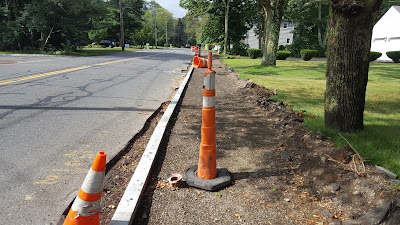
x=87, y=205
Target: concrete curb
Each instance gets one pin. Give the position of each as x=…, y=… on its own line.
x=128, y=205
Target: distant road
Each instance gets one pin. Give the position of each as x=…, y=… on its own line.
x=57, y=112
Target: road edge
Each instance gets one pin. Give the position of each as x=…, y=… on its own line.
x=128, y=205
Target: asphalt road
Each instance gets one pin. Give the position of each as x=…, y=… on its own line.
x=57, y=112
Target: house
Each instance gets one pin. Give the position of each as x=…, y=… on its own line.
x=285, y=35
x=386, y=33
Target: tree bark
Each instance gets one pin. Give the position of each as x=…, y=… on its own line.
x=348, y=62
x=226, y=46
x=320, y=42
x=273, y=10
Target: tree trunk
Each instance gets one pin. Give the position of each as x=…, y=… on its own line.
x=320, y=42
x=348, y=63
x=273, y=17
x=226, y=26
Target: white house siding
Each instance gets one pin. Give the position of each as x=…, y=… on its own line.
x=285, y=35
x=386, y=33
x=252, y=39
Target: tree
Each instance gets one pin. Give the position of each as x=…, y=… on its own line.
x=385, y=6
x=273, y=10
x=36, y=24
x=192, y=25
x=109, y=26
x=226, y=25
x=226, y=20
x=311, y=20
x=163, y=19
x=348, y=62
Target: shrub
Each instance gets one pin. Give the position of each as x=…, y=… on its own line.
x=395, y=56
x=254, y=53
x=166, y=45
x=281, y=48
x=239, y=48
x=282, y=55
x=307, y=54
x=374, y=55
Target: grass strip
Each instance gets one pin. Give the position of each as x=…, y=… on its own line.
x=302, y=85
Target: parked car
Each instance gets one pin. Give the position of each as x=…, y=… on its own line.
x=107, y=43
x=187, y=46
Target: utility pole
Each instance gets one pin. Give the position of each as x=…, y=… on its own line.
x=166, y=31
x=121, y=26
x=155, y=25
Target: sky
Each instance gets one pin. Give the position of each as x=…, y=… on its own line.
x=173, y=7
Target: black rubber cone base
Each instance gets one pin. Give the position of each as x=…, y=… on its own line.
x=223, y=179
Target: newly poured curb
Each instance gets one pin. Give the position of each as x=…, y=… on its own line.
x=128, y=205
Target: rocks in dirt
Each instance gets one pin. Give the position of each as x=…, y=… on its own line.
x=333, y=188
x=229, y=69
x=286, y=199
x=306, y=137
x=250, y=85
x=300, y=120
x=327, y=213
x=285, y=155
x=323, y=158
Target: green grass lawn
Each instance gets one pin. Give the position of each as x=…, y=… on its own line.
x=302, y=85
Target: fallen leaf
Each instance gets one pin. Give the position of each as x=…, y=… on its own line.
x=111, y=206
x=238, y=216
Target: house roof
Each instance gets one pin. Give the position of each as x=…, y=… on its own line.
x=396, y=8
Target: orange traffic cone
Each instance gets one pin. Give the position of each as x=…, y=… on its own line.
x=192, y=48
x=206, y=175
x=199, y=62
x=197, y=52
x=87, y=205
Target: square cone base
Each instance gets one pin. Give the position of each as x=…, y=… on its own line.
x=223, y=179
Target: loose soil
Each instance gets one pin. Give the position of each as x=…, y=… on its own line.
x=281, y=173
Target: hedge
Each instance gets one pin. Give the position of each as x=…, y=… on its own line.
x=282, y=55
x=307, y=54
x=374, y=55
x=395, y=56
x=254, y=53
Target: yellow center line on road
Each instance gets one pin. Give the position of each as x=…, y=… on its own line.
x=42, y=75
x=69, y=70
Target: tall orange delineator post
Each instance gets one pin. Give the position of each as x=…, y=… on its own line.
x=87, y=205
x=206, y=175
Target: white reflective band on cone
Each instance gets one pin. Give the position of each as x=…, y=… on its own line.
x=209, y=102
x=85, y=208
x=209, y=81
x=93, y=183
